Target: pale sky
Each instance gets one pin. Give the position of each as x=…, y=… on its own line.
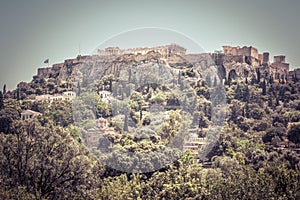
x=34, y=30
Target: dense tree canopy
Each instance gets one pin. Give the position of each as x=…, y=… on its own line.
x=46, y=161
x=255, y=157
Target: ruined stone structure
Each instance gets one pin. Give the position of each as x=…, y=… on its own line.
x=278, y=69
x=164, y=50
x=239, y=62
x=241, y=51
x=43, y=71
x=279, y=59
x=294, y=75
x=93, y=135
x=281, y=68
x=265, y=58
x=247, y=54
x=221, y=58
x=260, y=57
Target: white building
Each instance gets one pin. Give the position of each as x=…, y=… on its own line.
x=69, y=95
x=105, y=96
x=194, y=145
x=44, y=97
x=27, y=114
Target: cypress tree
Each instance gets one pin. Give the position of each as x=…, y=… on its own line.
x=126, y=122
x=208, y=81
x=141, y=114
x=110, y=85
x=18, y=93
x=79, y=89
x=179, y=78
x=264, y=87
x=271, y=80
x=1, y=100
x=215, y=82
x=282, y=78
x=4, y=89
x=129, y=75
x=258, y=75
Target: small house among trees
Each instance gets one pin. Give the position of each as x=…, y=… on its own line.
x=27, y=114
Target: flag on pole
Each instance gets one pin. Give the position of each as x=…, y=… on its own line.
x=46, y=61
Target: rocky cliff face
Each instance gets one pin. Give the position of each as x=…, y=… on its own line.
x=86, y=69
x=95, y=67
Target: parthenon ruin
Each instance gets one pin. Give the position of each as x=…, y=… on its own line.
x=164, y=50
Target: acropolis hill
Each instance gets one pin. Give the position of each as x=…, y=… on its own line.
x=236, y=62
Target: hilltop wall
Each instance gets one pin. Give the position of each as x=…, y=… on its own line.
x=243, y=51
x=294, y=75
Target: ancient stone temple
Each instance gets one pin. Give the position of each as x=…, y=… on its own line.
x=164, y=50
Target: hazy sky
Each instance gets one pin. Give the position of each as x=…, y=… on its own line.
x=34, y=30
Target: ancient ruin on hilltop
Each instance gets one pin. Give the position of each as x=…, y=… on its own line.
x=164, y=50
x=279, y=69
x=234, y=62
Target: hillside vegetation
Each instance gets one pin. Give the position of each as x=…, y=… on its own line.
x=256, y=156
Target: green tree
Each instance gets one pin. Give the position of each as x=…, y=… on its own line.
x=47, y=162
x=203, y=122
x=60, y=112
x=294, y=133
x=172, y=124
x=102, y=108
x=7, y=117
x=136, y=101
x=274, y=132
